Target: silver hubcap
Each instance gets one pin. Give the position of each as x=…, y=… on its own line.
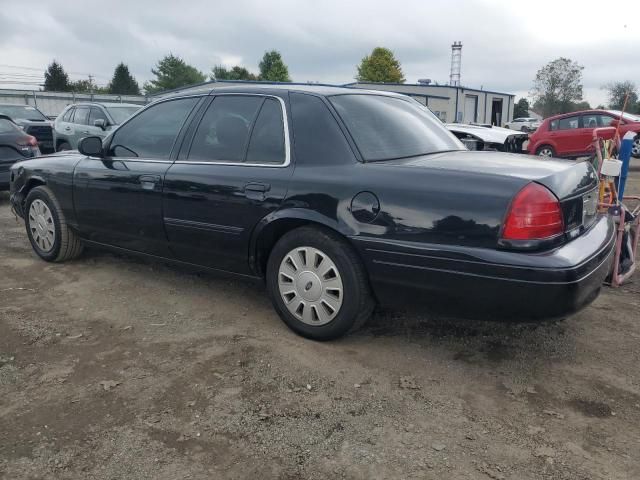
x=310, y=285
x=636, y=147
x=546, y=152
x=43, y=230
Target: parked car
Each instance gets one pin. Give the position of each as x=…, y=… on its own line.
x=84, y=119
x=524, y=124
x=32, y=121
x=570, y=135
x=374, y=201
x=15, y=145
x=488, y=137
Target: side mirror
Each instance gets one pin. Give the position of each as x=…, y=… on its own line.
x=91, y=147
x=100, y=123
x=614, y=123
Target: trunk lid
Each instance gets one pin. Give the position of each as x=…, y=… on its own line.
x=573, y=183
x=565, y=178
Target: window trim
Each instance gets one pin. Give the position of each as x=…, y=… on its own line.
x=287, y=145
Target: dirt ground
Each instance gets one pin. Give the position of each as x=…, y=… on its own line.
x=112, y=367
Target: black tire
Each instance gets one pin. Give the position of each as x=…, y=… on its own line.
x=66, y=243
x=547, y=147
x=357, y=301
x=635, y=152
x=64, y=146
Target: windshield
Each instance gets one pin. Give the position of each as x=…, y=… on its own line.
x=120, y=114
x=386, y=128
x=22, y=112
x=626, y=116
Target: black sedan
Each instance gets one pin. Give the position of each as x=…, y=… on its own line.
x=338, y=198
x=15, y=145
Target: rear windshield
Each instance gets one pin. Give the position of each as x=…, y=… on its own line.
x=385, y=128
x=120, y=114
x=22, y=112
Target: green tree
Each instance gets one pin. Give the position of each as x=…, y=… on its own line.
x=173, y=72
x=557, y=87
x=273, y=68
x=83, y=86
x=521, y=108
x=380, y=66
x=236, y=73
x=123, y=82
x=618, y=92
x=55, y=78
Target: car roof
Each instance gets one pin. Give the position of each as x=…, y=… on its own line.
x=580, y=112
x=212, y=88
x=104, y=104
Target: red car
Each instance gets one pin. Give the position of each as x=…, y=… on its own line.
x=570, y=134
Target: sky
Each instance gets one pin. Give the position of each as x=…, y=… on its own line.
x=504, y=42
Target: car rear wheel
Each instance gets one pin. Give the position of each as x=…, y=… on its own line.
x=545, y=151
x=318, y=284
x=47, y=228
x=64, y=146
x=635, y=150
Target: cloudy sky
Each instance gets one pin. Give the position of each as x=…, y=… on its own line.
x=505, y=42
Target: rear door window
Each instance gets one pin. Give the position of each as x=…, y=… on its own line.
x=267, y=138
x=568, y=123
x=605, y=120
x=223, y=133
x=590, y=121
x=81, y=116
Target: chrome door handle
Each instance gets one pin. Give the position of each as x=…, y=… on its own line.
x=256, y=191
x=149, y=182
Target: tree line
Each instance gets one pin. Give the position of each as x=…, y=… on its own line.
x=170, y=72
x=557, y=86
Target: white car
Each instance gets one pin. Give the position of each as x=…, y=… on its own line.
x=488, y=137
x=524, y=124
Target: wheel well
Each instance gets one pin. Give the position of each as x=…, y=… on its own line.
x=30, y=185
x=545, y=145
x=270, y=235
x=60, y=141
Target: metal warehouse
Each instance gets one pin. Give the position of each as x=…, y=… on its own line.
x=452, y=103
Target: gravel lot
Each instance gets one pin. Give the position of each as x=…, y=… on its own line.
x=112, y=367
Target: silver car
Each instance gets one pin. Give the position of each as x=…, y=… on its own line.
x=88, y=119
x=524, y=124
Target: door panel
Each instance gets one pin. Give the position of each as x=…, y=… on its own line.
x=118, y=199
x=235, y=172
x=210, y=210
x=79, y=127
x=119, y=202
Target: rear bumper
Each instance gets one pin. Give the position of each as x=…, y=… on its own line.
x=480, y=281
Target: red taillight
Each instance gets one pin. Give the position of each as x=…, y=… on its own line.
x=535, y=214
x=29, y=141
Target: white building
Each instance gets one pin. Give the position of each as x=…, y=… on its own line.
x=454, y=104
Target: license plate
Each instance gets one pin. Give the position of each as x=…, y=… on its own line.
x=589, y=208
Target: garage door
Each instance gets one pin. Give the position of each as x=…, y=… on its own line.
x=470, y=108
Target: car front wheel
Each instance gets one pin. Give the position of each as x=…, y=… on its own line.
x=64, y=146
x=47, y=229
x=318, y=284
